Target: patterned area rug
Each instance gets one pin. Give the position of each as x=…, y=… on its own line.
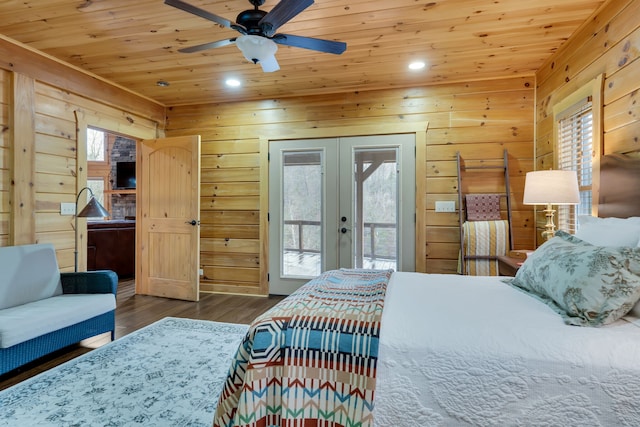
x=169, y=373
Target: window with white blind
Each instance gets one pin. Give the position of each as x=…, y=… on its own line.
x=577, y=130
x=574, y=151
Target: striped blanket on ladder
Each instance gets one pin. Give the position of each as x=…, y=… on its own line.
x=487, y=239
x=311, y=360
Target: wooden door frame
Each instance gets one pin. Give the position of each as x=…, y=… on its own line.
x=420, y=131
x=113, y=126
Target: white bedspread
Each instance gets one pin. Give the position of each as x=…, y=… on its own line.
x=462, y=350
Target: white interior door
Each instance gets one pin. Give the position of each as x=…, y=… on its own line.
x=340, y=203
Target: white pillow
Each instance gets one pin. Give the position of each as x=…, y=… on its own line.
x=574, y=278
x=609, y=231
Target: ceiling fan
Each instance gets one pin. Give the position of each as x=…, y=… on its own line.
x=258, y=40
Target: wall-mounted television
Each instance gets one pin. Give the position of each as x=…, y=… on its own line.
x=126, y=175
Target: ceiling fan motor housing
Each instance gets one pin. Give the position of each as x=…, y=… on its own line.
x=250, y=20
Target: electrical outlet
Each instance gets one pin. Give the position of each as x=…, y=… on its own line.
x=201, y=272
x=67, y=208
x=445, y=206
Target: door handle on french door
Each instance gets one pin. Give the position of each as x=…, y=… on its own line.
x=193, y=222
x=344, y=230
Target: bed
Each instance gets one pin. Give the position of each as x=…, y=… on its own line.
x=497, y=357
x=449, y=350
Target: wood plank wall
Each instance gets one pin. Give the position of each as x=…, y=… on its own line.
x=57, y=115
x=480, y=119
x=40, y=116
x=608, y=44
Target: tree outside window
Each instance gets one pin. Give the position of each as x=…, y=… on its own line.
x=96, y=148
x=98, y=165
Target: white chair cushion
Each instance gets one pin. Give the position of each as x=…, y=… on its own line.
x=24, y=322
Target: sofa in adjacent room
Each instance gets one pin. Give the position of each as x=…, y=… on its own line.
x=43, y=310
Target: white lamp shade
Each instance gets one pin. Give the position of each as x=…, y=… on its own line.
x=556, y=187
x=259, y=50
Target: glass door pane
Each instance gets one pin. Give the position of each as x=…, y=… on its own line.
x=303, y=182
x=377, y=202
x=302, y=214
x=375, y=189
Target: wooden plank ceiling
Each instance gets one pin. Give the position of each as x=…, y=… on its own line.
x=135, y=43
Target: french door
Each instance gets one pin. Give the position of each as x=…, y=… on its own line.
x=340, y=203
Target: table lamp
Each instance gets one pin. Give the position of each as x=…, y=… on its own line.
x=551, y=187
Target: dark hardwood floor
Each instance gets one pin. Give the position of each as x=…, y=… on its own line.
x=136, y=311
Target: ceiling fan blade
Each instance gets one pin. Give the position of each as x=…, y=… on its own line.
x=205, y=46
x=321, y=45
x=179, y=4
x=281, y=13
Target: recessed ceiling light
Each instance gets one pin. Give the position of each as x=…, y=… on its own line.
x=417, y=65
x=233, y=82
x=162, y=83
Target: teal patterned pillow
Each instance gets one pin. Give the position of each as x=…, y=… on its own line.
x=587, y=285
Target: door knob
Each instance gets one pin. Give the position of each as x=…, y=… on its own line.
x=343, y=230
x=193, y=222
x=343, y=219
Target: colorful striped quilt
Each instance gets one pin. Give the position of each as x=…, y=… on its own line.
x=311, y=360
x=485, y=239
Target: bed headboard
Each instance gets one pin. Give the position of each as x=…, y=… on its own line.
x=619, y=186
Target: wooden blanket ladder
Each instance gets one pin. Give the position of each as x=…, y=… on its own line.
x=476, y=168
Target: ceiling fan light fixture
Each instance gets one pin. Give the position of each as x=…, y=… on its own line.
x=269, y=64
x=259, y=50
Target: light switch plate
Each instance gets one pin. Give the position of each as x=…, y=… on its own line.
x=67, y=208
x=445, y=206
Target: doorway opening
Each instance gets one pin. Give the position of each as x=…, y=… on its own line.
x=111, y=172
x=111, y=243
